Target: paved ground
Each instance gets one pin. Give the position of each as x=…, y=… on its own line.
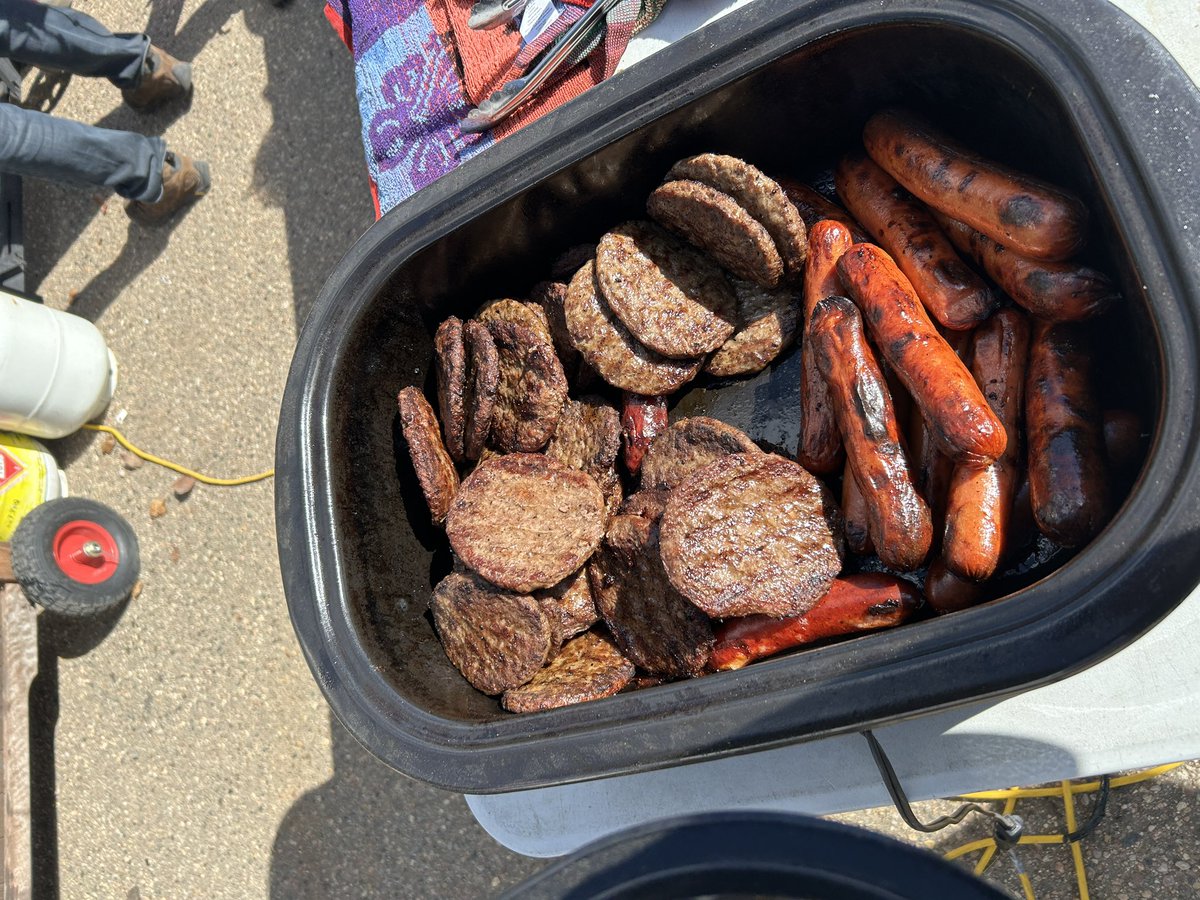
x=182, y=748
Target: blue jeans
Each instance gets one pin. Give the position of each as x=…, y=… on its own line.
x=36, y=144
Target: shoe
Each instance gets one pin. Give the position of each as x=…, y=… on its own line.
x=164, y=78
x=185, y=180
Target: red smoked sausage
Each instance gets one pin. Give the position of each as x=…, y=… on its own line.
x=949, y=290
x=642, y=420
x=981, y=499
x=1055, y=291
x=1068, y=475
x=813, y=207
x=854, y=516
x=962, y=423
x=854, y=603
x=946, y=592
x=898, y=519
x=1029, y=216
x=820, y=446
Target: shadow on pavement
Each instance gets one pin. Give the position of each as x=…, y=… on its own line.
x=371, y=832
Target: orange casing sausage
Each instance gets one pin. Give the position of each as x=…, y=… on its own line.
x=642, y=420
x=897, y=518
x=1068, y=474
x=854, y=516
x=1027, y=215
x=854, y=603
x=1055, y=291
x=820, y=446
x=962, y=423
x=980, y=500
x=949, y=290
x=813, y=207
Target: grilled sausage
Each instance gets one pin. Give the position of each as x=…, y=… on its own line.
x=1055, y=291
x=820, y=446
x=962, y=423
x=1027, y=215
x=855, y=603
x=981, y=499
x=642, y=420
x=854, y=516
x=813, y=207
x=945, y=592
x=949, y=290
x=1068, y=477
x=898, y=519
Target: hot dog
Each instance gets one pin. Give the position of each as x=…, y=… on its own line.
x=950, y=291
x=813, y=207
x=854, y=516
x=945, y=592
x=1055, y=291
x=1027, y=215
x=897, y=518
x=820, y=446
x=1068, y=475
x=962, y=423
x=854, y=603
x=980, y=499
x=642, y=420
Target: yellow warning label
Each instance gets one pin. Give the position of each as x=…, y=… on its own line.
x=26, y=470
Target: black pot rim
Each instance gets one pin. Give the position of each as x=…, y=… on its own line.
x=1093, y=606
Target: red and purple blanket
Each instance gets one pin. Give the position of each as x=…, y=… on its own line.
x=418, y=68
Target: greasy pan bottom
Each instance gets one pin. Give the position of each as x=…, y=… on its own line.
x=787, y=86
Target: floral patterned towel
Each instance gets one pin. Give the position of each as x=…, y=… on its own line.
x=418, y=68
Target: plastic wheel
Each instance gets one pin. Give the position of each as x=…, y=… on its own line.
x=75, y=556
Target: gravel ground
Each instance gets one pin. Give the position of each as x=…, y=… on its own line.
x=182, y=747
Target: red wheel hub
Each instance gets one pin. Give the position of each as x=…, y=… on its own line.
x=86, y=552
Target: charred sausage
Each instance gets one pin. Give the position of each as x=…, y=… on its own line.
x=945, y=592
x=1030, y=216
x=1068, y=477
x=820, y=446
x=898, y=519
x=642, y=420
x=854, y=516
x=980, y=499
x=950, y=291
x=1055, y=291
x=855, y=603
x=813, y=207
x=962, y=423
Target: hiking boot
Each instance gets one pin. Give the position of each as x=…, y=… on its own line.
x=164, y=78
x=185, y=180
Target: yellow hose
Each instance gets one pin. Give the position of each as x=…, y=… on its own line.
x=175, y=467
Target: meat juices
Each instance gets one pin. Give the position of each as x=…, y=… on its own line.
x=898, y=518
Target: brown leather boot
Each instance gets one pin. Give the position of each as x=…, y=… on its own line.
x=164, y=78
x=185, y=180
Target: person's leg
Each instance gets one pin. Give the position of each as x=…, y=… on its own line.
x=71, y=41
x=33, y=143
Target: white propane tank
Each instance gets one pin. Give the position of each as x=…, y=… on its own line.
x=29, y=477
x=56, y=372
